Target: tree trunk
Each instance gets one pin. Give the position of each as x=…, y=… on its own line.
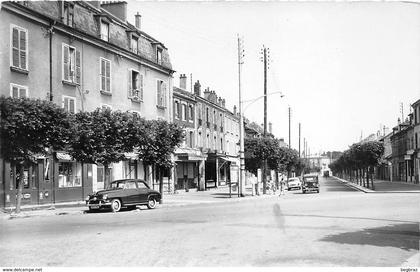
x=19, y=177
x=161, y=184
x=145, y=173
x=367, y=177
x=106, y=181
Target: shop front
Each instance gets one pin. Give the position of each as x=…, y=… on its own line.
x=189, y=169
x=46, y=180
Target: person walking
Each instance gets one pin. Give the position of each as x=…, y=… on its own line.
x=282, y=186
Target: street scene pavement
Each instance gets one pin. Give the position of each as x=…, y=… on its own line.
x=340, y=226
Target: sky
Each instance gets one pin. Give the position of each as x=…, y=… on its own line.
x=344, y=68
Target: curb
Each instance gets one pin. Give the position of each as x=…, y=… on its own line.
x=64, y=209
x=366, y=190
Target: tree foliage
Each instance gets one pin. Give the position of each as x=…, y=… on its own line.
x=30, y=127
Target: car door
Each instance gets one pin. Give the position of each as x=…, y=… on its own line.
x=143, y=191
x=130, y=192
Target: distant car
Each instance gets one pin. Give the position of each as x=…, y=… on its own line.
x=124, y=193
x=294, y=183
x=310, y=183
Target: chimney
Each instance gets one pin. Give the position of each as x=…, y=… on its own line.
x=234, y=110
x=219, y=101
x=223, y=103
x=207, y=93
x=183, y=81
x=197, y=88
x=270, y=127
x=138, y=21
x=117, y=8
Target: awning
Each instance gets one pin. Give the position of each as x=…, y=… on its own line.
x=184, y=154
x=62, y=156
x=231, y=160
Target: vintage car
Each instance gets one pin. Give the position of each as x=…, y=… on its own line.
x=293, y=183
x=310, y=183
x=124, y=193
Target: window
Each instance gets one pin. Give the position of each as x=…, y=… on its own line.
x=71, y=64
x=159, y=55
x=176, y=109
x=135, y=87
x=214, y=143
x=184, y=112
x=19, y=47
x=161, y=94
x=199, y=139
x=134, y=44
x=214, y=117
x=105, y=31
x=221, y=144
x=18, y=91
x=105, y=76
x=416, y=139
x=68, y=14
x=69, y=104
x=191, y=112
x=207, y=114
x=69, y=174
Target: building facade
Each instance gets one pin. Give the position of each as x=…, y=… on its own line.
x=189, y=159
x=80, y=55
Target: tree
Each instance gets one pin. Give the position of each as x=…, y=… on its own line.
x=102, y=137
x=31, y=127
x=162, y=139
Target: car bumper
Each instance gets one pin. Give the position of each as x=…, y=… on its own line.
x=98, y=204
x=310, y=188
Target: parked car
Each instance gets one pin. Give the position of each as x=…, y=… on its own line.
x=294, y=183
x=124, y=193
x=310, y=183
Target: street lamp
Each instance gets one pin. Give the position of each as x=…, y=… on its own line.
x=242, y=134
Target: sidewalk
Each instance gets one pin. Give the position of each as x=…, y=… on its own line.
x=385, y=186
x=180, y=198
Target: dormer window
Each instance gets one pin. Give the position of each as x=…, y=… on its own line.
x=159, y=55
x=105, y=31
x=68, y=14
x=134, y=44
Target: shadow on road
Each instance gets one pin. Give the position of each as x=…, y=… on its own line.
x=279, y=217
x=403, y=236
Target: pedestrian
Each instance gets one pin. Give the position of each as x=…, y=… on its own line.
x=282, y=185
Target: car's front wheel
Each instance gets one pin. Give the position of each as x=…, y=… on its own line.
x=151, y=203
x=115, y=205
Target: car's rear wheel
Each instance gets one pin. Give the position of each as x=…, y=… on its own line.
x=115, y=205
x=151, y=203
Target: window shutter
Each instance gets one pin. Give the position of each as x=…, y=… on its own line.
x=78, y=69
x=108, y=76
x=71, y=106
x=23, y=49
x=141, y=87
x=22, y=92
x=158, y=92
x=66, y=104
x=103, y=75
x=163, y=94
x=15, y=92
x=15, y=47
x=66, y=73
x=130, y=80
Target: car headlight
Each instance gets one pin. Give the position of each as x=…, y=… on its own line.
x=104, y=197
x=87, y=198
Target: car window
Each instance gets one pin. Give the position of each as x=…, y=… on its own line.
x=142, y=185
x=130, y=185
x=117, y=185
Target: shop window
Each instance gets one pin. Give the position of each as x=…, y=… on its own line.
x=69, y=174
x=103, y=177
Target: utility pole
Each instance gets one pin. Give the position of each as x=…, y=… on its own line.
x=299, y=140
x=241, y=55
x=265, y=51
x=290, y=146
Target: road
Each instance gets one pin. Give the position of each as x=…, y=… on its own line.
x=338, y=227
